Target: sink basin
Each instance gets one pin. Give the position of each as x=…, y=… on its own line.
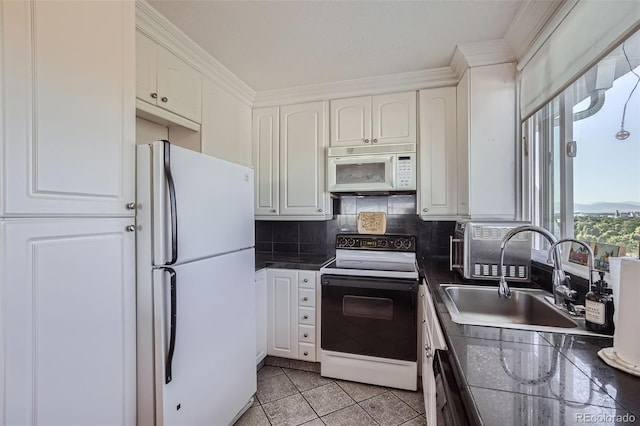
x=527, y=309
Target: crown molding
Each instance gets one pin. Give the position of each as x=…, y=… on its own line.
x=481, y=53
x=153, y=24
x=529, y=21
x=414, y=80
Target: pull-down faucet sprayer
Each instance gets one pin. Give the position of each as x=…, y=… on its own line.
x=554, y=254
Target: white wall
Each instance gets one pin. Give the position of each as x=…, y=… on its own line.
x=147, y=132
x=226, y=125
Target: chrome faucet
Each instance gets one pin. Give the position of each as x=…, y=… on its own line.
x=554, y=255
x=562, y=291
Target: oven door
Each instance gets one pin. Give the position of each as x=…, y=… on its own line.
x=370, y=316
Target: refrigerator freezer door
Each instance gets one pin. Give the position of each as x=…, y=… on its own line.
x=213, y=205
x=213, y=372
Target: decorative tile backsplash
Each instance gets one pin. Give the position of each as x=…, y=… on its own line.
x=318, y=237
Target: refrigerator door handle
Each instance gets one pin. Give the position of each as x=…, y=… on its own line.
x=172, y=203
x=172, y=332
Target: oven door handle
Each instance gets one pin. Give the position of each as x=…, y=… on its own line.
x=398, y=285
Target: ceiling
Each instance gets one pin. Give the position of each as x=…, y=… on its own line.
x=282, y=44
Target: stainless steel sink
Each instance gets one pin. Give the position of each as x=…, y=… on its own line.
x=527, y=309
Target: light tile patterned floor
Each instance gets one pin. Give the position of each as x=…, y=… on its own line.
x=292, y=393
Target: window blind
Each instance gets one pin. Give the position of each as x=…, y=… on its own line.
x=589, y=31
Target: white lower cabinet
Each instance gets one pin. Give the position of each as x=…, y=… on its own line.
x=261, y=315
x=432, y=339
x=291, y=314
x=68, y=322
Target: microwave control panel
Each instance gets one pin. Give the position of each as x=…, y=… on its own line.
x=405, y=175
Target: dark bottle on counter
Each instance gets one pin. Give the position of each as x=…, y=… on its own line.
x=599, y=308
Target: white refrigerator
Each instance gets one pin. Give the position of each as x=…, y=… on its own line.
x=195, y=295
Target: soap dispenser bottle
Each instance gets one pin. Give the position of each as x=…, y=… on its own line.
x=599, y=308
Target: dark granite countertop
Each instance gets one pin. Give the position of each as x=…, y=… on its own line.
x=518, y=377
x=311, y=262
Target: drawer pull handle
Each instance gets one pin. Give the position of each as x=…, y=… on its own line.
x=305, y=317
x=305, y=280
x=306, y=334
x=304, y=299
x=306, y=353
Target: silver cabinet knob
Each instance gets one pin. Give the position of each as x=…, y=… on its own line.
x=154, y=95
x=273, y=210
x=306, y=353
x=366, y=141
x=375, y=141
x=304, y=299
x=130, y=228
x=427, y=349
x=305, y=317
x=306, y=280
x=424, y=320
x=131, y=206
x=164, y=99
x=425, y=210
x=306, y=334
x=320, y=210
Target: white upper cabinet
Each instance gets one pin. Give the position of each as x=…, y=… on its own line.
x=379, y=119
x=487, y=141
x=302, y=160
x=438, y=154
x=69, y=108
x=266, y=160
x=166, y=81
x=351, y=121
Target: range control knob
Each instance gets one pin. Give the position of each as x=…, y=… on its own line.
x=398, y=243
x=382, y=243
x=351, y=242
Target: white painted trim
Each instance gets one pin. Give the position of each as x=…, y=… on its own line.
x=163, y=117
x=458, y=62
x=415, y=80
x=157, y=27
x=529, y=21
x=286, y=218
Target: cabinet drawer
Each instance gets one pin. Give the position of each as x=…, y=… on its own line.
x=307, y=279
x=307, y=316
x=307, y=333
x=307, y=297
x=307, y=352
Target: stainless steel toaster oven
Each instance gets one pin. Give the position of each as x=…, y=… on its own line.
x=474, y=250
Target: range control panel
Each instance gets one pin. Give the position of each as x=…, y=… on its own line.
x=376, y=242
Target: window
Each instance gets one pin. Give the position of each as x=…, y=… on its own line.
x=581, y=162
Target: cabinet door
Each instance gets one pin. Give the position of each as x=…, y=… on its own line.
x=393, y=118
x=179, y=86
x=351, y=121
x=146, y=69
x=492, y=142
x=302, y=159
x=69, y=323
x=69, y=107
x=261, y=315
x=438, y=153
x=282, y=313
x=266, y=160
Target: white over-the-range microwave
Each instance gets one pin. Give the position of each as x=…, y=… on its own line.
x=379, y=168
